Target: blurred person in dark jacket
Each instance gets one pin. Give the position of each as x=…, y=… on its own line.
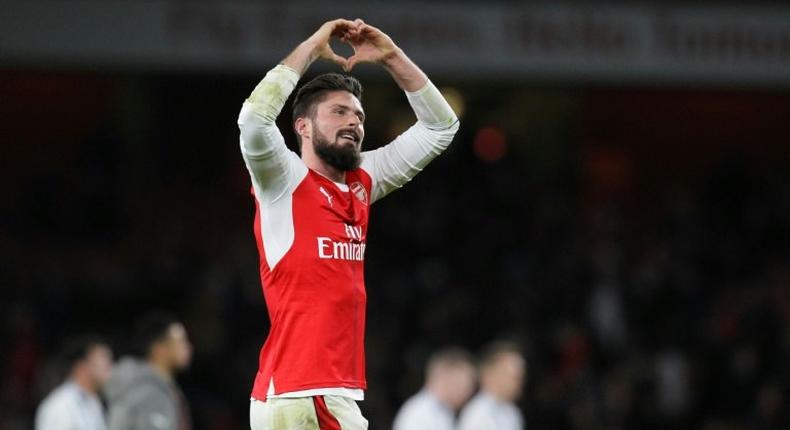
x=75, y=404
x=142, y=392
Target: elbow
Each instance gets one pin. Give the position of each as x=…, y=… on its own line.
x=448, y=135
x=449, y=132
x=453, y=128
x=246, y=116
x=449, y=126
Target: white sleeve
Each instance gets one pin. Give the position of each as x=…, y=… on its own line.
x=397, y=163
x=274, y=169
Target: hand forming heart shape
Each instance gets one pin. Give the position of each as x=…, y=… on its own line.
x=370, y=44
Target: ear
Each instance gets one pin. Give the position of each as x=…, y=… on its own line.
x=303, y=127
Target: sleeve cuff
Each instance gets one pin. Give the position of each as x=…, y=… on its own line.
x=269, y=96
x=431, y=107
x=288, y=71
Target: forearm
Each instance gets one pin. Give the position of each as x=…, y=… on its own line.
x=405, y=73
x=428, y=104
x=302, y=57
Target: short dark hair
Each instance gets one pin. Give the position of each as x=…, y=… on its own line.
x=150, y=329
x=450, y=356
x=492, y=352
x=314, y=92
x=77, y=348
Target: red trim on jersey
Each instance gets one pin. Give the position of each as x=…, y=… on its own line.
x=326, y=421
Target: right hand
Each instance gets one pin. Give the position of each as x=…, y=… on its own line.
x=319, y=41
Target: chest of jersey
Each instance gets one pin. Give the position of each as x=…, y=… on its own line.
x=331, y=223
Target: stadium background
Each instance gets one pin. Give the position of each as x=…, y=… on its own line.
x=627, y=221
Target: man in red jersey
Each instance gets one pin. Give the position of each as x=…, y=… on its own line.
x=312, y=217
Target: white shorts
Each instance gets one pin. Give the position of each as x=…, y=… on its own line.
x=307, y=413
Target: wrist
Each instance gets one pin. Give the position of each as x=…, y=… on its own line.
x=311, y=47
x=393, y=59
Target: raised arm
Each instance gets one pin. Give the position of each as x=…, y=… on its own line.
x=397, y=163
x=272, y=166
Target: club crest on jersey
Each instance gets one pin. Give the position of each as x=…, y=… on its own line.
x=359, y=190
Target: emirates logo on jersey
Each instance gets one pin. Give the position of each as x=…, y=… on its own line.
x=359, y=190
x=351, y=250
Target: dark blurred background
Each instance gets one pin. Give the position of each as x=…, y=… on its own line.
x=617, y=200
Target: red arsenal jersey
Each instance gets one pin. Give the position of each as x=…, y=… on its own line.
x=315, y=293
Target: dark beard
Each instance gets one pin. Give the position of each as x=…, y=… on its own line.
x=341, y=157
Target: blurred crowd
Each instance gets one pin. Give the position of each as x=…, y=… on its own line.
x=642, y=294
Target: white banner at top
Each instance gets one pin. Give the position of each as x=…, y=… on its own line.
x=558, y=42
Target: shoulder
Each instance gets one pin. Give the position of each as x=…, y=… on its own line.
x=515, y=412
x=56, y=407
x=423, y=412
x=152, y=393
x=476, y=409
x=478, y=402
x=411, y=404
x=62, y=394
x=417, y=406
x=146, y=391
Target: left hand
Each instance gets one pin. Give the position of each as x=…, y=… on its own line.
x=370, y=45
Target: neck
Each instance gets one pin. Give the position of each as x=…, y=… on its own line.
x=439, y=394
x=84, y=382
x=495, y=394
x=161, y=369
x=314, y=162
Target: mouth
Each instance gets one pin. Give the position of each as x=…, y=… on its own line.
x=349, y=135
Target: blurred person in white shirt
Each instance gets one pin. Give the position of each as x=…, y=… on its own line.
x=450, y=378
x=75, y=404
x=502, y=374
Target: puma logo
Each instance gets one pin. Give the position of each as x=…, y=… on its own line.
x=327, y=195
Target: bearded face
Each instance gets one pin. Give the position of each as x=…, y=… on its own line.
x=343, y=152
x=337, y=130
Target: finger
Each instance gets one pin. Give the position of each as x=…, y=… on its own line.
x=357, y=35
x=367, y=28
x=351, y=62
x=344, y=35
x=348, y=37
x=339, y=60
x=341, y=25
x=343, y=22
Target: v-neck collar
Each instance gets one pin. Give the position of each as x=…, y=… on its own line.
x=341, y=186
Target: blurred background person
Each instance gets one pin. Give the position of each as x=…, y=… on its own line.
x=75, y=404
x=449, y=382
x=502, y=373
x=142, y=391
